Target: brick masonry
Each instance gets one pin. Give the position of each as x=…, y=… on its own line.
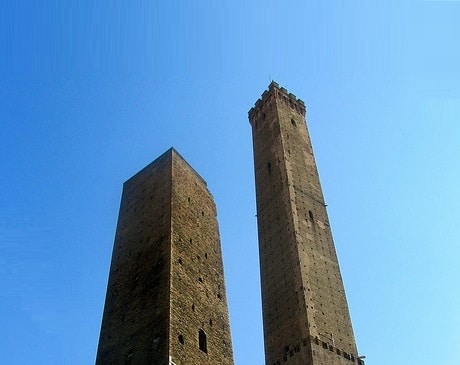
x=166, y=300
x=305, y=312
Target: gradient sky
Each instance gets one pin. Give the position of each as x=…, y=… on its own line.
x=92, y=91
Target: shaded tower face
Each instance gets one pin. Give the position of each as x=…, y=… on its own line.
x=305, y=312
x=166, y=300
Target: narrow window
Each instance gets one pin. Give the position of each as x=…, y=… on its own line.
x=269, y=167
x=310, y=214
x=202, y=341
x=293, y=122
x=181, y=339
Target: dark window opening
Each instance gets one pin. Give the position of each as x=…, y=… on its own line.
x=202, y=341
x=193, y=307
x=293, y=122
x=310, y=214
x=269, y=167
x=181, y=339
x=210, y=322
x=200, y=280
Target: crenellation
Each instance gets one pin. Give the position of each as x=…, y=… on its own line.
x=281, y=94
x=265, y=95
x=166, y=298
x=291, y=212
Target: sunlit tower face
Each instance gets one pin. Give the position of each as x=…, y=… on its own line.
x=305, y=312
x=166, y=300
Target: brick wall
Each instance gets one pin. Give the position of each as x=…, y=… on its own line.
x=166, y=288
x=302, y=290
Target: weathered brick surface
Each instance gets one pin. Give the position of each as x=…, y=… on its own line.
x=166, y=279
x=303, y=296
x=198, y=299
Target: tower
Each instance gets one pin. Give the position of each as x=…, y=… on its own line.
x=305, y=312
x=166, y=300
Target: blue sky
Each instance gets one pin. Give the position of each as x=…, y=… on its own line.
x=93, y=91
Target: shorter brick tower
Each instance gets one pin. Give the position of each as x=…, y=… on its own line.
x=166, y=300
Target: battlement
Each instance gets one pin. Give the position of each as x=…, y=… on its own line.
x=274, y=91
x=303, y=296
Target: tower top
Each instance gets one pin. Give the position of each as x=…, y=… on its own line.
x=169, y=155
x=274, y=91
x=305, y=313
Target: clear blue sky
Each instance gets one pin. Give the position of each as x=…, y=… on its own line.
x=92, y=91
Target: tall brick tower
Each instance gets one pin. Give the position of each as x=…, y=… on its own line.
x=166, y=300
x=305, y=312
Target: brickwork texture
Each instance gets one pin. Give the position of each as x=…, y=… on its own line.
x=305, y=312
x=166, y=301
